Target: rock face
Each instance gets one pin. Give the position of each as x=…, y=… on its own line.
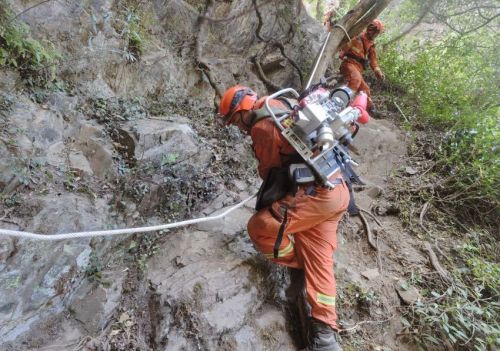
x=221, y=288
x=55, y=269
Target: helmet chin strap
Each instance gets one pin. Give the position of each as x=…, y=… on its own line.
x=244, y=117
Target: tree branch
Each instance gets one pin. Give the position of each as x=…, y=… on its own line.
x=444, y=20
x=427, y=6
x=472, y=9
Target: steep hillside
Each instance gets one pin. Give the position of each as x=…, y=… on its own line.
x=116, y=130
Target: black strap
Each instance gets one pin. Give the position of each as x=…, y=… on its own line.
x=279, y=238
x=350, y=177
x=365, y=54
x=363, y=62
x=352, y=208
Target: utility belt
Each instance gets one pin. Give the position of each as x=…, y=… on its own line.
x=283, y=180
x=362, y=61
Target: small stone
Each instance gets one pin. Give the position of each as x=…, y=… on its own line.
x=240, y=185
x=411, y=171
x=375, y=192
x=7, y=248
x=370, y=274
x=179, y=262
x=410, y=295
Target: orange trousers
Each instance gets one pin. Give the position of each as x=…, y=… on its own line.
x=309, y=240
x=354, y=78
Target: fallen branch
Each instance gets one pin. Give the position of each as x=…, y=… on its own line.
x=443, y=273
x=422, y=213
x=358, y=324
x=368, y=231
x=441, y=252
x=401, y=112
x=379, y=256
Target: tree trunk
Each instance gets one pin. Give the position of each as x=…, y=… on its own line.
x=353, y=22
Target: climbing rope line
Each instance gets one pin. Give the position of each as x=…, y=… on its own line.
x=345, y=31
x=90, y=234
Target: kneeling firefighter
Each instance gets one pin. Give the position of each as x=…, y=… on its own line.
x=298, y=229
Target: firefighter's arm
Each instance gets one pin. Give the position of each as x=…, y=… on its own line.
x=344, y=49
x=372, y=57
x=266, y=146
x=327, y=18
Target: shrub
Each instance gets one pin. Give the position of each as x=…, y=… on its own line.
x=455, y=85
x=19, y=50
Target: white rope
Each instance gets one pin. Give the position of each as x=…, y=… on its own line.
x=345, y=31
x=52, y=237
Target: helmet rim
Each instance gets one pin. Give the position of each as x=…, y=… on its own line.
x=235, y=99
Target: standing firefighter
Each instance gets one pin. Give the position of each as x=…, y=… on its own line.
x=299, y=229
x=357, y=55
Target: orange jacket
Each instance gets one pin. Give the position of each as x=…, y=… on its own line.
x=362, y=48
x=270, y=147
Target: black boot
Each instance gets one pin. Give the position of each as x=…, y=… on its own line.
x=323, y=337
x=301, y=309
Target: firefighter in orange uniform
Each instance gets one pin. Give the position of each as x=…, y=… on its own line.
x=357, y=55
x=298, y=230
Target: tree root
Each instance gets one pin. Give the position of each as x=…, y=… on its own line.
x=276, y=43
x=443, y=273
x=368, y=230
x=358, y=324
x=263, y=77
x=202, y=63
x=371, y=215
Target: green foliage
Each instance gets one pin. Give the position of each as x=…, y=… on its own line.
x=455, y=84
x=453, y=80
x=19, y=50
x=464, y=314
x=94, y=269
x=143, y=249
x=134, y=24
x=479, y=255
x=345, y=6
x=458, y=317
x=135, y=41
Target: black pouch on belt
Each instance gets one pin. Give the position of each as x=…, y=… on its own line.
x=276, y=185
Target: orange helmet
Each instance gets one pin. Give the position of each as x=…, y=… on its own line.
x=377, y=24
x=236, y=99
